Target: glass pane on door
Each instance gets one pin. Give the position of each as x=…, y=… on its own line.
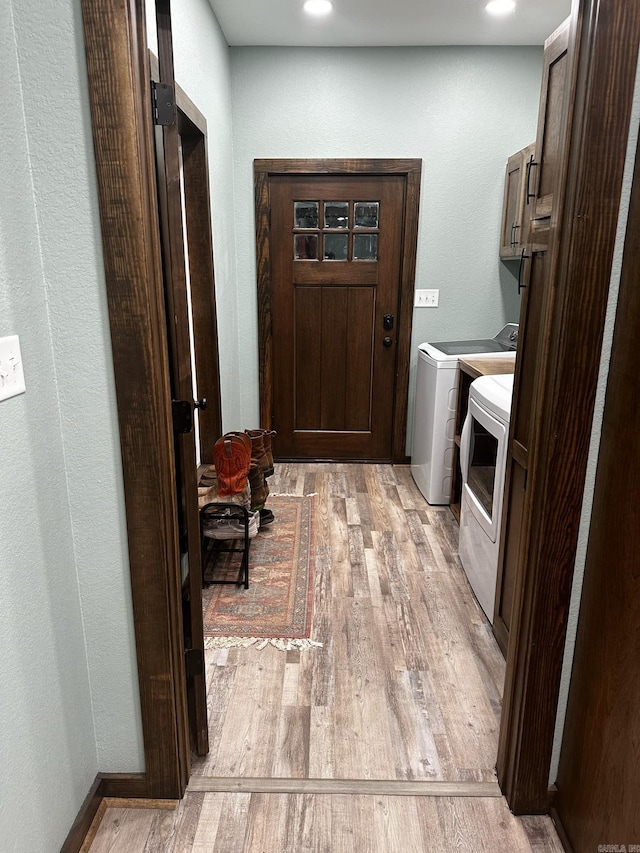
x=336, y=214
x=335, y=247
x=365, y=247
x=366, y=214
x=306, y=214
x=305, y=247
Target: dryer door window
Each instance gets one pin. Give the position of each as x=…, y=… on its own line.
x=483, y=457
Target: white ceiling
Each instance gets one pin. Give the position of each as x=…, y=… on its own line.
x=377, y=23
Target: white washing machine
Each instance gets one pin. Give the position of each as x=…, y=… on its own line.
x=435, y=407
x=483, y=458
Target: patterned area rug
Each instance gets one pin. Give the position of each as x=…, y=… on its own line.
x=277, y=607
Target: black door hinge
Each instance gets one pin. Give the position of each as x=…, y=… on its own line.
x=163, y=103
x=193, y=662
x=182, y=413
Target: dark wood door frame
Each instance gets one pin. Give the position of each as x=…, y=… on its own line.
x=411, y=171
x=118, y=76
x=599, y=776
x=118, y=71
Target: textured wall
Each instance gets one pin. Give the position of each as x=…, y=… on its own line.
x=462, y=110
x=47, y=738
x=69, y=698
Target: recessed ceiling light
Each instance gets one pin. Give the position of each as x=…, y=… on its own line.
x=500, y=7
x=318, y=7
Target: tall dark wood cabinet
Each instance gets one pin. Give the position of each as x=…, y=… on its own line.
x=534, y=275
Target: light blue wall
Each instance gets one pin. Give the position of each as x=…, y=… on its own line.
x=463, y=111
x=68, y=697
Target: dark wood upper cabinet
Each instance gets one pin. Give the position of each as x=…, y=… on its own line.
x=515, y=207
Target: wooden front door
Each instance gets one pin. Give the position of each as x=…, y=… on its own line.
x=336, y=244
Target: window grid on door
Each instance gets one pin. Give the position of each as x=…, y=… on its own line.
x=335, y=230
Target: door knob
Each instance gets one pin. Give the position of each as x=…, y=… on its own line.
x=386, y=342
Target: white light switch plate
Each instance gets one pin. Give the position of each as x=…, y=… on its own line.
x=426, y=298
x=11, y=372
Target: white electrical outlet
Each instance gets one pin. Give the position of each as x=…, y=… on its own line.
x=11, y=372
x=426, y=298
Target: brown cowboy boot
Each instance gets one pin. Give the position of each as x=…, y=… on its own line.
x=232, y=460
x=259, y=486
x=261, y=449
x=266, y=438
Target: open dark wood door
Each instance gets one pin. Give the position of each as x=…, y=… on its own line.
x=336, y=244
x=170, y=195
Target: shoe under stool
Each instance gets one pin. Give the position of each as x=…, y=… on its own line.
x=230, y=523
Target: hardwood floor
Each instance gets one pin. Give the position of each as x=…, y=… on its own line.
x=403, y=698
x=408, y=683
x=304, y=823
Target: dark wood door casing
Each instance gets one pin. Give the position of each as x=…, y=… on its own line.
x=410, y=170
x=118, y=75
x=599, y=772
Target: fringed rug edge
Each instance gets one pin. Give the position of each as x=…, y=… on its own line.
x=283, y=643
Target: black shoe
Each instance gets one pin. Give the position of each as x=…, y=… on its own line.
x=266, y=517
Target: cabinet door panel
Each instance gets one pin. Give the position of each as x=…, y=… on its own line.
x=550, y=135
x=512, y=206
x=534, y=322
x=530, y=341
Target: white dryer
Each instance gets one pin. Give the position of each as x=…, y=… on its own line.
x=483, y=458
x=435, y=407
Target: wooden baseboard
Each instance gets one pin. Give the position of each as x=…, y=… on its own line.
x=562, y=835
x=82, y=824
x=126, y=786
x=105, y=785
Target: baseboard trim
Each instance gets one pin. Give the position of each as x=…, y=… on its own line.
x=562, y=835
x=123, y=786
x=126, y=786
x=84, y=819
x=375, y=787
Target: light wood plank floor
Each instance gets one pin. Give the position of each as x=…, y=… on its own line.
x=306, y=823
x=408, y=684
x=406, y=688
